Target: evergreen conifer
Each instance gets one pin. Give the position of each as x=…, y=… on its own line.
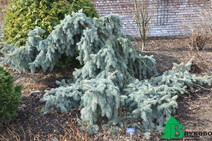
x=114, y=75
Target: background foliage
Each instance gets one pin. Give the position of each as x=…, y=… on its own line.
x=23, y=15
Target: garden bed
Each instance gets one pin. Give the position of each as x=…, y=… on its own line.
x=194, y=110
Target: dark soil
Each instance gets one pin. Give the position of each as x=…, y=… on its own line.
x=194, y=110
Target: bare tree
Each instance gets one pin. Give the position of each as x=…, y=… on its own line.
x=143, y=17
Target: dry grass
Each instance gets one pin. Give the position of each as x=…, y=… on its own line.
x=200, y=35
x=200, y=30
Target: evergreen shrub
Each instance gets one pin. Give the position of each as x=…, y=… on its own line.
x=113, y=77
x=10, y=97
x=23, y=15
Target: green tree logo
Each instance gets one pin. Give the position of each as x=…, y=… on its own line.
x=170, y=129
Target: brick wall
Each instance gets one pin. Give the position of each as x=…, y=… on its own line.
x=168, y=18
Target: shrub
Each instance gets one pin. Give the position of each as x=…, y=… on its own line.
x=199, y=35
x=201, y=29
x=106, y=88
x=10, y=97
x=23, y=15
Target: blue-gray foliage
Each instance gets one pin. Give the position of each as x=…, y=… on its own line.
x=153, y=101
x=114, y=76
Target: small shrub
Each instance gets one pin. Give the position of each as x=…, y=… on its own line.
x=10, y=97
x=199, y=36
x=198, y=41
x=22, y=16
x=201, y=31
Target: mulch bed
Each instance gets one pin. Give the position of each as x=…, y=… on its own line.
x=194, y=110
